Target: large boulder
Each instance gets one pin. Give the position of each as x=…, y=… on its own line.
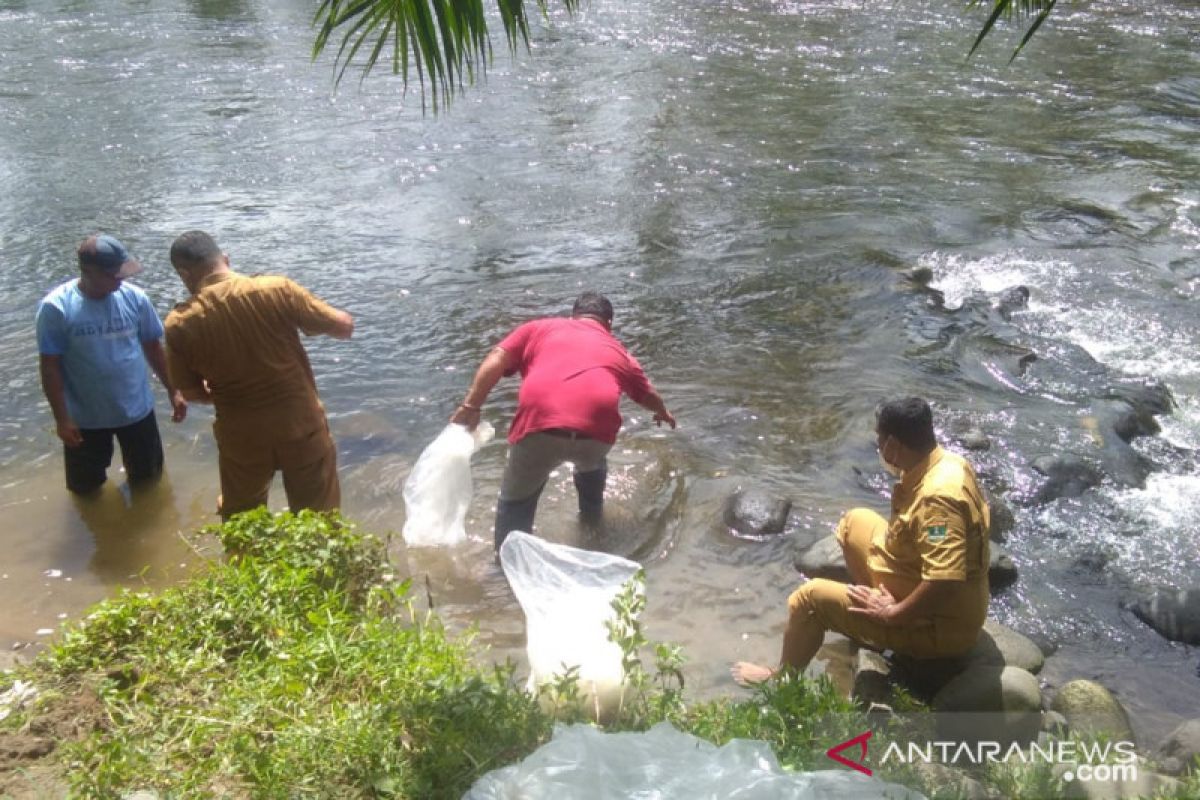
x=754, y=512
x=824, y=560
x=1002, y=518
x=1001, y=646
x=1002, y=572
x=1177, y=753
x=1174, y=613
x=1067, y=475
x=975, y=439
x=1012, y=299
x=990, y=703
x=1092, y=709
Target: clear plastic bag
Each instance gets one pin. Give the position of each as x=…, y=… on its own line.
x=438, y=490
x=566, y=594
x=584, y=763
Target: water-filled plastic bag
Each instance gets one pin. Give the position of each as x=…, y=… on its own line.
x=438, y=490
x=566, y=594
x=584, y=763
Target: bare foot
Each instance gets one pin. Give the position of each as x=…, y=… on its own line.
x=748, y=674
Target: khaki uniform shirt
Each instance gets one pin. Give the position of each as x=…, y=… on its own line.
x=240, y=335
x=939, y=532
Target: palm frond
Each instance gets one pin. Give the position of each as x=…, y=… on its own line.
x=445, y=40
x=1038, y=9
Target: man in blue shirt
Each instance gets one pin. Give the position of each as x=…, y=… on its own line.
x=96, y=336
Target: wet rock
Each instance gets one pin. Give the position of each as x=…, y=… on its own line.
x=1151, y=399
x=1091, y=709
x=1177, y=754
x=921, y=276
x=1123, y=420
x=1012, y=299
x=1113, y=425
x=990, y=703
x=1068, y=370
x=1174, y=613
x=754, y=511
x=1067, y=476
x=1002, y=518
x=1002, y=572
x=872, y=678
x=1001, y=646
x=975, y=439
x=824, y=560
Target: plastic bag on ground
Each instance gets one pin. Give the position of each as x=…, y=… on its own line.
x=584, y=763
x=438, y=490
x=566, y=594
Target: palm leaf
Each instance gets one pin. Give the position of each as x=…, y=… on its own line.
x=1039, y=9
x=446, y=41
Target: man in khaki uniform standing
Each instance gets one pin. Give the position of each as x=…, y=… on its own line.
x=235, y=343
x=921, y=578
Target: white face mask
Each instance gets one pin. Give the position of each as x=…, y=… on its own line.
x=891, y=468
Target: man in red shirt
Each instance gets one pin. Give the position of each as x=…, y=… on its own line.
x=573, y=372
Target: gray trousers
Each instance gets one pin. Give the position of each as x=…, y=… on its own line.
x=530, y=462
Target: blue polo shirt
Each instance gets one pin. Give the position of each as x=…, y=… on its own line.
x=100, y=341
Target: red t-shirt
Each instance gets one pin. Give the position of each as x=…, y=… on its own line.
x=572, y=374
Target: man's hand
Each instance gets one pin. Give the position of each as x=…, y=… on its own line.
x=68, y=431
x=466, y=416
x=178, y=406
x=877, y=604
x=664, y=416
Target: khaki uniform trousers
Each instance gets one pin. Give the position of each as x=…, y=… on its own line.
x=309, y=466
x=829, y=603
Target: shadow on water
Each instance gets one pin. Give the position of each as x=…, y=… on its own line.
x=133, y=527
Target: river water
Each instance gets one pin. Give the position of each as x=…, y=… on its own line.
x=752, y=183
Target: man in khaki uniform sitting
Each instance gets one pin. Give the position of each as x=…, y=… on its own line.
x=921, y=578
x=235, y=343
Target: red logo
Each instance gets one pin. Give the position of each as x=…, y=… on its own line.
x=835, y=752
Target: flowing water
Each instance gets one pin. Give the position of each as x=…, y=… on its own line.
x=752, y=183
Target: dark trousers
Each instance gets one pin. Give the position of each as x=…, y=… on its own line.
x=517, y=515
x=141, y=451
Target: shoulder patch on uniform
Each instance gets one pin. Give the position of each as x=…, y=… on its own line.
x=935, y=533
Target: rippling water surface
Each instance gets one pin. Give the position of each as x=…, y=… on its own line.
x=753, y=184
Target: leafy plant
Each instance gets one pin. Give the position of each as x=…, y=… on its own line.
x=1038, y=9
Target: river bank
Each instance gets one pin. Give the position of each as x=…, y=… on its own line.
x=304, y=665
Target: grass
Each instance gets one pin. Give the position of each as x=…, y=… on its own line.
x=298, y=667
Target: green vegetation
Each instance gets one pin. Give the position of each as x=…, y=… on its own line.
x=447, y=41
x=299, y=668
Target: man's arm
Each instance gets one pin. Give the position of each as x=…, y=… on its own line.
x=54, y=387
x=156, y=357
x=652, y=401
x=314, y=316
x=184, y=379
x=493, y=368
